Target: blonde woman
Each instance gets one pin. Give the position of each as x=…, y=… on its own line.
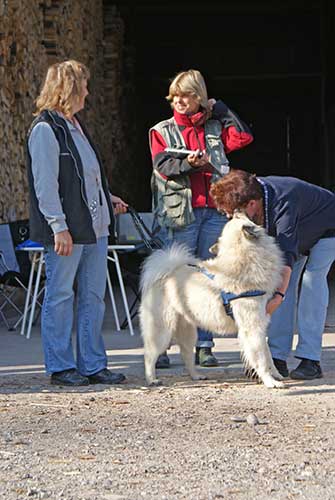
x=182, y=204
x=71, y=215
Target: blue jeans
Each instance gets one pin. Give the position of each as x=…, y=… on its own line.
x=87, y=265
x=305, y=307
x=199, y=237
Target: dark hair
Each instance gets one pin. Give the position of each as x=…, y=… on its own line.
x=235, y=190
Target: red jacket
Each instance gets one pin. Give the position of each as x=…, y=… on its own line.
x=235, y=135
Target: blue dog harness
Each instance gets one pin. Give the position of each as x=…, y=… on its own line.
x=227, y=297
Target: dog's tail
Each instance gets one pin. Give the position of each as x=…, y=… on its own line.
x=163, y=262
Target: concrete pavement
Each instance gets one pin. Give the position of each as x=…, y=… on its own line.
x=23, y=358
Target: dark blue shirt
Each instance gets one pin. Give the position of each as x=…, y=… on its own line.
x=297, y=214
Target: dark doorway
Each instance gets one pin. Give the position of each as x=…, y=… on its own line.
x=266, y=60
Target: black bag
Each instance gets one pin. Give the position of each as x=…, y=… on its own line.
x=20, y=232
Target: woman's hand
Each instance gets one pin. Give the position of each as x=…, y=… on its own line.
x=63, y=243
x=197, y=161
x=119, y=206
x=211, y=103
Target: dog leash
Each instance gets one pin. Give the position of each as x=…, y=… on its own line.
x=227, y=297
x=149, y=240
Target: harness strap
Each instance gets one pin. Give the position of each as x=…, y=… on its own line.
x=228, y=297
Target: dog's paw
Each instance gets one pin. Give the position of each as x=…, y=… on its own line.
x=280, y=385
x=154, y=383
x=274, y=384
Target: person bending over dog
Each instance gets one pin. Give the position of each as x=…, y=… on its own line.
x=301, y=217
x=182, y=205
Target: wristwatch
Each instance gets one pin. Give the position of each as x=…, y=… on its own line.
x=277, y=292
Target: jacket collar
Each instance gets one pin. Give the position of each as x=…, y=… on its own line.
x=195, y=120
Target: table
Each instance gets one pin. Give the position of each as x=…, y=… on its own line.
x=113, y=249
x=33, y=292
x=37, y=259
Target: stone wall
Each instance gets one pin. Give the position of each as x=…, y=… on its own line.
x=33, y=35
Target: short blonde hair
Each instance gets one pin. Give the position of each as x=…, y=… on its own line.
x=62, y=85
x=189, y=82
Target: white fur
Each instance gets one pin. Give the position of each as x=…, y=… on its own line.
x=177, y=298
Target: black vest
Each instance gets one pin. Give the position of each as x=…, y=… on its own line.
x=72, y=191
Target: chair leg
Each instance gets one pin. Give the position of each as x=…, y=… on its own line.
x=133, y=313
x=8, y=301
x=4, y=319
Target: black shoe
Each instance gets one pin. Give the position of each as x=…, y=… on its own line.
x=68, y=377
x=106, y=377
x=281, y=366
x=205, y=357
x=307, y=370
x=163, y=361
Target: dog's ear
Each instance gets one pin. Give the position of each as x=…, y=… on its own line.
x=214, y=249
x=250, y=231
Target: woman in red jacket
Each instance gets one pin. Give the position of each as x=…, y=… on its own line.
x=182, y=205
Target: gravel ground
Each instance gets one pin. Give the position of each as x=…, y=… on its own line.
x=225, y=438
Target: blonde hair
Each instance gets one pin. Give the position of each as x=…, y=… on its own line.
x=62, y=85
x=189, y=82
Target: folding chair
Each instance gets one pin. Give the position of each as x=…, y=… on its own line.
x=14, y=271
x=135, y=229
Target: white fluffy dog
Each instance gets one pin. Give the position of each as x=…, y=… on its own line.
x=181, y=293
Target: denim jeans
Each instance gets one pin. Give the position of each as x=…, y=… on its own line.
x=199, y=237
x=304, y=309
x=86, y=269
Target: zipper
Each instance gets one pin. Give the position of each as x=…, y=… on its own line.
x=99, y=191
x=266, y=203
x=204, y=176
x=196, y=136
x=206, y=190
x=74, y=159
